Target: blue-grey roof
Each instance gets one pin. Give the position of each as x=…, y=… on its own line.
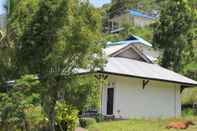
x=142, y=70
x=134, y=68
x=140, y=14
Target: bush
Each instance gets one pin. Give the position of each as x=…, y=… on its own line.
x=188, y=112
x=99, y=117
x=66, y=116
x=86, y=122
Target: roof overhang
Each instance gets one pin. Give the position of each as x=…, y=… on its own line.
x=142, y=70
x=184, y=85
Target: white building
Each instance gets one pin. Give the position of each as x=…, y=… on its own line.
x=138, y=88
x=132, y=17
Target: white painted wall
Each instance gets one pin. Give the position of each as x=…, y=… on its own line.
x=129, y=19
x=158, y=99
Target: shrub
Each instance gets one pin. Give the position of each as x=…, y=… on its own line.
x=99, y=117
x=86, y=122
x=66, y=116
x=188, y=112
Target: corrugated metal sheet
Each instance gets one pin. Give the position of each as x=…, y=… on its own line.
x=137, y=69
x=110, y=50
x=134, y=68
x=136, y=40
x=141, y=40
x=140, y=14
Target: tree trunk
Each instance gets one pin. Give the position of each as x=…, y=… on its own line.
x=52, y=120
x=27, y=127
x=48, y=102
x=52, y=116
x=6, y=126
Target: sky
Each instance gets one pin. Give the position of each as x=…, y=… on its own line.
x=97, y=3
x=2, y=2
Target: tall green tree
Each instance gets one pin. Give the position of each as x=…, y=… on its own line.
x=8, y=70
x=56, y=39
x=11, y=5
x=173, y=33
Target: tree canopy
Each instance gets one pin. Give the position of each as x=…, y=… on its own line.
x=173, y=33
x=52, y=40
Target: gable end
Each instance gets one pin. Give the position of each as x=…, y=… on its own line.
x=131, y=52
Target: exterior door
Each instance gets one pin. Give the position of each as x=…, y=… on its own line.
x=110, y=101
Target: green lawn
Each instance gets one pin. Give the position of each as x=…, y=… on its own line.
x=139, y=125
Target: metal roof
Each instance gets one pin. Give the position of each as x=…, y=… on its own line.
x=110, y=50
x=133, y=39
x=138, y=69
x=140, y=14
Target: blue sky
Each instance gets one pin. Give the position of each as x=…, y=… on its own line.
x=2, y=2
x=97, y=3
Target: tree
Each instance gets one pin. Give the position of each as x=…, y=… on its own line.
x=19, y=103
x=173, y=33
x=8, y=70
x=11, y=5
x=56, y=39
x=120, y=6
x=82, y=93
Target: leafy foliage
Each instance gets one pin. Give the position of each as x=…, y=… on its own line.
x=121, y=6
x=21, y=105
x=173, y=33
x=82, y=92
x=189, y=96
x=87, y=122
x=188, y=112
x=55, y=39
x=9, y=70
x=11, y=6
x=66, y=116
x=99, y=117
x=144, y=32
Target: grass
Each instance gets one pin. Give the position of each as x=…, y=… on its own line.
x=140, y=125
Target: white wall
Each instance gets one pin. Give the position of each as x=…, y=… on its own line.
x=129, y=19
x=158, y=99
